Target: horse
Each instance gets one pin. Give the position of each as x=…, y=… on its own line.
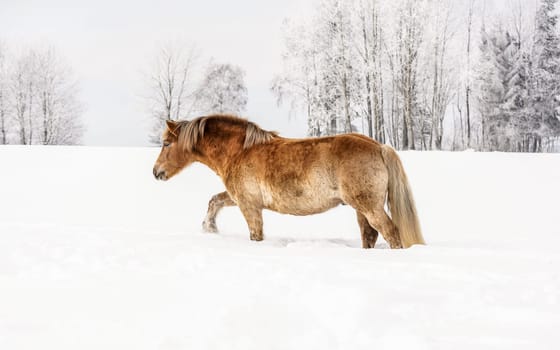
x=262, y=170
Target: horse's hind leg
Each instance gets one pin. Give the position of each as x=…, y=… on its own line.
x=381, y=221
x=216, y=204
x=369, y=234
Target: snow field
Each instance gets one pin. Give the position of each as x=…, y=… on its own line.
x=94, y=253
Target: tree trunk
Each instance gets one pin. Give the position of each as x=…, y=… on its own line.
x=369, y=106
x=369, y=109
x=379, y=110
x=2, y=119
x=468, y=88
x=45, y=121
x=347, y=116
x=30, y=120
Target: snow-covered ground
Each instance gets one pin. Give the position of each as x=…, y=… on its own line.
x=96, y=254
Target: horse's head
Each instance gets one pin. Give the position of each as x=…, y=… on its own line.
x=172, y=158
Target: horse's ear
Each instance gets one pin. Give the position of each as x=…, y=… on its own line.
x=172, y=127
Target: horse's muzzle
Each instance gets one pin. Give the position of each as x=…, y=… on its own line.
x=160, y=175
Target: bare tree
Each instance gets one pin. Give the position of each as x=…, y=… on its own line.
x=172, y=88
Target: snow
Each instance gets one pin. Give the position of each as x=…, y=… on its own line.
x=96, y=254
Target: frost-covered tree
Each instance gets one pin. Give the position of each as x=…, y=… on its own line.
x=468, y=71
x=408, y=40
x=172, y=86
x=298, y=83
x=22, y=85
x=519, y=83
x=222, y=90
x=497, y=84
x=441, y=76
x=39, y=100
x=4, y=97
x=59, y=109
x=341, y=78
x=321, y=69
x=369, y=45
x=545, y=97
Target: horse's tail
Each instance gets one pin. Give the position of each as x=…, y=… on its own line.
x=400, y=200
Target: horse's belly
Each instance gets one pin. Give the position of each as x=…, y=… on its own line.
x=301, y=203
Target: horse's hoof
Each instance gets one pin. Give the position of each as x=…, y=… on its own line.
x=256, y=238
x=209, y=227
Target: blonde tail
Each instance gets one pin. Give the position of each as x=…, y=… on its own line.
x=400, y=200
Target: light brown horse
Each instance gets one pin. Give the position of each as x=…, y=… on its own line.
x=262, y=170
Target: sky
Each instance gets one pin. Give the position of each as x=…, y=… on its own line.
x=110, y=44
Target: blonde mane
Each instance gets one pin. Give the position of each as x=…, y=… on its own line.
x=254, y=135
x=191, y=132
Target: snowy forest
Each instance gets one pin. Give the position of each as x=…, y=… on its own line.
x=427, y=74
x=39, y=101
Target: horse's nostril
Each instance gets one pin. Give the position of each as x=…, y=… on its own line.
x=158, y=174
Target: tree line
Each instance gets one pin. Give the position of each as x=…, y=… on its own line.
x=427, y=74
x=39, y=101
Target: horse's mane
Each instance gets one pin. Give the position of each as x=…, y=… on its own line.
x=190, y=132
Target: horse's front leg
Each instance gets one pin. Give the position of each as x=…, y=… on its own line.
x=253, y=216
x=216, y=204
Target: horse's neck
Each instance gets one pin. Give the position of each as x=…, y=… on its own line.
x=217, y=152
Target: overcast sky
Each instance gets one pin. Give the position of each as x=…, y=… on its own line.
x=109, y=43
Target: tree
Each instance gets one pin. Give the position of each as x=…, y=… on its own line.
x=468, y=85
x=410, y=36
x=370, y=50
x=321, y=70
x=39, y=100
x=438, y=84
x=298, y=83
x=301, y=81
x=4, y=98
x=503, y=94
x=172, y=87
x=222, y=90
x=546, y=74
x=519, y=83
x=342, y=82
x=22, y=85
x=59, y=109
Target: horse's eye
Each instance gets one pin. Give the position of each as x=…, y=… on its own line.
x=166, y=144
